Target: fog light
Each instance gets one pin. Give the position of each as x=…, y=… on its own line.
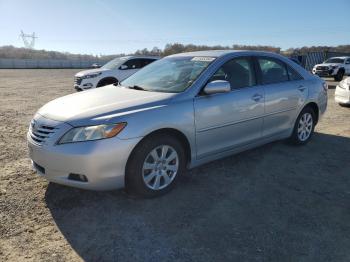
x=77, y=177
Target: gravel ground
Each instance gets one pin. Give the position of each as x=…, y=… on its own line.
x=273, y=203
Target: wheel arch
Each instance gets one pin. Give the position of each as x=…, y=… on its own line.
x=107, y=78
x=168, y=131
x=315, y=108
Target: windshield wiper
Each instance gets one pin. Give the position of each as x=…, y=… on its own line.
x=136, y=87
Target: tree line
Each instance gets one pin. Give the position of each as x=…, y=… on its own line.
x=24, y=53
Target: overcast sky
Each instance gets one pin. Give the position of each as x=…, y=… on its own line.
x=110, y=27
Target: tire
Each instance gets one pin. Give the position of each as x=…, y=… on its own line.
x=142, y=171
x=302, y=124
x=339, y=76
x=106, y=81
x=344, y=105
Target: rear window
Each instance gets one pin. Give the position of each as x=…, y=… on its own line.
x=293, y=75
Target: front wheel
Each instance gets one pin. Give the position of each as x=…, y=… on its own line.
x=106, y=81
x=339, y=76
x=154, y=166
x=304, y=127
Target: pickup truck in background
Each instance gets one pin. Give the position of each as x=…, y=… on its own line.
x=335, y=67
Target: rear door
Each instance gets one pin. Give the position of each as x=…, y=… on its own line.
x=228, y=120
x=285, y=92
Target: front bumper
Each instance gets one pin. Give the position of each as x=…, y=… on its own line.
x=342, y=95
x=103, y=162
x=81, y=84
x=325, y=73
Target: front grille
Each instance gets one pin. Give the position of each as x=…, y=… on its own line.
x=77, y=80
x=39, y=133
x=323, y=68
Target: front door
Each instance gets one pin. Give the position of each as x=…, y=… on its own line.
x=229, y=120
x=131, y=67
x=347, y=66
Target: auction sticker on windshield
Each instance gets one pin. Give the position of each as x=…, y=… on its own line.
x=203, y=58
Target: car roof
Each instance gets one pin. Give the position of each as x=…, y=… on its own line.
x=140, y=56
x=220, y=53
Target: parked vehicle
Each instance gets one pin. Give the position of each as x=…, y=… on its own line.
x=96, y=65
x=114, y=71
x=179, y=112
x=335, y=67
x=342, y=92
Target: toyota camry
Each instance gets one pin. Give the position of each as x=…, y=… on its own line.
x=177, y=113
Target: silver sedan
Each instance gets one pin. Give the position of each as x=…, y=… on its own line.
x=176, y=113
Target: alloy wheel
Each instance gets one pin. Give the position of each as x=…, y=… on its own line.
x=305, y=126
x=160, y=167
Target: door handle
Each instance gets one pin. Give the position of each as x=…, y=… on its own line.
x=301, y=88
x=257, y=97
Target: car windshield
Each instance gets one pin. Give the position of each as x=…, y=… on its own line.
x=169, y=75
x=335, y=60
x=115, y=63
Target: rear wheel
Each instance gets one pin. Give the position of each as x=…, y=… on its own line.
x=154, y=166
x=339, y=76
x=304, y=127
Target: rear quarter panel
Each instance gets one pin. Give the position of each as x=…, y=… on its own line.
x=317, y=94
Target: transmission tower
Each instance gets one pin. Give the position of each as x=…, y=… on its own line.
x=28, y=40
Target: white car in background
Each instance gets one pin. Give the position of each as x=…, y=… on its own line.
x=335, y=67
x=113, y=72
x=342, y=92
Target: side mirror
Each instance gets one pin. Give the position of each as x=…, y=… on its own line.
x=123, y=67
x=347, y=62
x=217, y=86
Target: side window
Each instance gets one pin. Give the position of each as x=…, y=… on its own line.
x=145, y=62
x=347, y=61
x=293, y=75
x=239, y=72
x=272, y=71
x=132, y=64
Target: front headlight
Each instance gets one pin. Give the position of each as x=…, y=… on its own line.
x=344, y=84
x=334, y=66
x=91, y=75
x=88, y=133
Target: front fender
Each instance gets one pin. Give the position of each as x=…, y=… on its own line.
x=178, y=116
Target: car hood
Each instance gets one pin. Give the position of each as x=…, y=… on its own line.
x=329, y=64
x=90, y=71
x=101, y=103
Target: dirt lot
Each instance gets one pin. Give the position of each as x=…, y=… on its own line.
x=273, y=203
